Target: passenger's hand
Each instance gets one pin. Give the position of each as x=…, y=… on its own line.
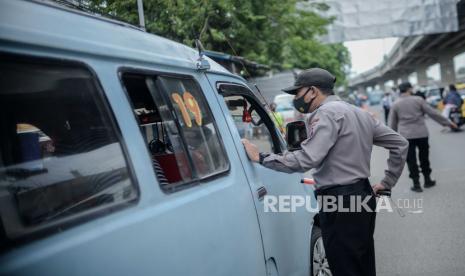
x=378, y=187
x=252, y=150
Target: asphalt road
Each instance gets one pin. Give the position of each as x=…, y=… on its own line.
x=428, y=241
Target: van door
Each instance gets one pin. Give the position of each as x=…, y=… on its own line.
x=286, y=235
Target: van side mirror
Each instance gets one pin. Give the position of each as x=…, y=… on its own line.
x=296, y=133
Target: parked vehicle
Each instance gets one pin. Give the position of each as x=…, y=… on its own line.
x=433, y=96
x=375, y=97
x=145, y=172
x=285, y=107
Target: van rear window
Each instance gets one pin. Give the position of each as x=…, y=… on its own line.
x=59, y=153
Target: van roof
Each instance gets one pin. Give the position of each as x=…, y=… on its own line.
x=46, y=24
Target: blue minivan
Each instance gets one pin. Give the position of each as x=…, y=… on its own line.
x=120, y=155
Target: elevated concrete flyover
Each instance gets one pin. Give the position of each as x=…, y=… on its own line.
x=415, y=55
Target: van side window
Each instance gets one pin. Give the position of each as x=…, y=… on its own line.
x=249, y=123
x=59, y=153
x=251, y=119
x=178, y=129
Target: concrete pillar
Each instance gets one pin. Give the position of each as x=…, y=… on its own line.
x=421, y=76
x=361, y=89
x=447, y=69
x=381, y=85
x=395, y=80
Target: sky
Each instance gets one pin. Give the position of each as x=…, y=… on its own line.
x=366, y=54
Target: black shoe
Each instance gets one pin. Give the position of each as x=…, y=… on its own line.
x=417, y=189
x=416, y=186
x=429, y=182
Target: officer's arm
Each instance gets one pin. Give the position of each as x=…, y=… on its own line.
x=385, y=137
x=322, y=136
x=434, y=114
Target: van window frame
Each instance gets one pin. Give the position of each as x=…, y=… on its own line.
x=55, y=227
x=195, y=181
x=246, y=92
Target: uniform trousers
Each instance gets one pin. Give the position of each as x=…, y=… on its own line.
x=348, y=236
x=386, y=113
x=423, y=154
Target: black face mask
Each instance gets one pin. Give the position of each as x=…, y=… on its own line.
x=301, y=105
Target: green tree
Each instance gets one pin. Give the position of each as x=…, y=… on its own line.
x=272, y=32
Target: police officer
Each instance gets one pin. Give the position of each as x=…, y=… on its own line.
x=407, y=116
x=338, y=146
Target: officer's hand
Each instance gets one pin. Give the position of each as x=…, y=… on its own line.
x=252, y=150
x=378, y=187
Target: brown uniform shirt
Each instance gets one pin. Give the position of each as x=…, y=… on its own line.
x=407, y=116
x=339, y=145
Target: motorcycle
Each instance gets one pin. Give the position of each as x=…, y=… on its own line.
x=455, y=116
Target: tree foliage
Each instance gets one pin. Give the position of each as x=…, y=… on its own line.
x=272, y=32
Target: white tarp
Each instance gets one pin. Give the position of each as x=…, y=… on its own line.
x=366, y=19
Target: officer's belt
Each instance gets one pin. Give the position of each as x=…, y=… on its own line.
x=346, y=189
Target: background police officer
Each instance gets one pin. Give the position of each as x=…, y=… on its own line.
x=338, y=147
x=407, y=116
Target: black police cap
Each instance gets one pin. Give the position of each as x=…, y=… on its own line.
x=312, y=77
